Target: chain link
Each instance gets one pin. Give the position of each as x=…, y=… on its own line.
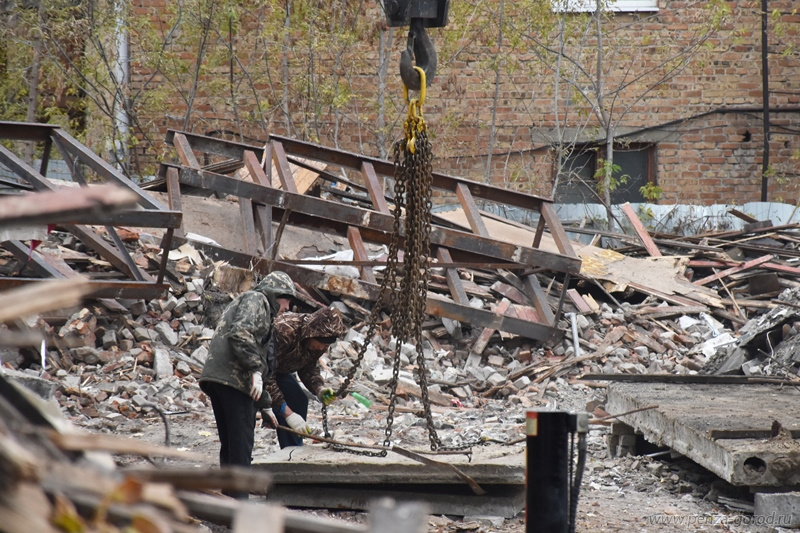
x=407, y=290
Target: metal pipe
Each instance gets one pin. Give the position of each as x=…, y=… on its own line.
x=765, y=99
x=575, y=342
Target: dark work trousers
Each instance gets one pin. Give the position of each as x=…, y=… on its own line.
x=235, y=413
x=295, y=397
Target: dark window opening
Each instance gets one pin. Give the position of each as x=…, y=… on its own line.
x=577, y=183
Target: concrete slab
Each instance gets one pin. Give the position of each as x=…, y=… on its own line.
x=314, y=476
x=689, y=414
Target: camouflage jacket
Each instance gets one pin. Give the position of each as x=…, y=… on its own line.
x=290, y=330
x=240, y=342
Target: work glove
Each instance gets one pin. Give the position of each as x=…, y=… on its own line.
x=256, y=386
x=326, y=396
x=297, y=423
x=268, y=419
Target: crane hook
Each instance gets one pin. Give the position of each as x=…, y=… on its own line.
x=421, y=48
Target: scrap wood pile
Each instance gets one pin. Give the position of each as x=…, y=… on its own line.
x=735, y=291
x=54, y=478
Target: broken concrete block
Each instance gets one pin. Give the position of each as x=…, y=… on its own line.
x=166, y=333
x=522, y=382
x=381, y=375
x=41, y=387
x=685, y=322
x=109, y=339
x=162, y=363
x=780, y=509
x=453, y=327
x=180, y=306
x=495, y=379
x=183, y=368
x=169, y=304
x=85, y=354
x=200, y=354
x=753, y=367
x=641, y=351
x=142, y=334
x=140, y=401
x=460, y=393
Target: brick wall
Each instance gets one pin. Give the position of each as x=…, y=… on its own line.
x=704, y=160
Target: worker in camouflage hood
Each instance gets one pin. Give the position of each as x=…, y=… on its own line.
x=300, y=340
x=239, y=361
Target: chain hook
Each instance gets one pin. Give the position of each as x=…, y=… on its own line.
x=420, y=47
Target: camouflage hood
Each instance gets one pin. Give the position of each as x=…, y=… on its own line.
x=326, y=322
x=274, y=285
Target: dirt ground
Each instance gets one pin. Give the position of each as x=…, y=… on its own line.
x=629, y=494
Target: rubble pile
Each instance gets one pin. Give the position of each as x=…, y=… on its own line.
x=113, y=367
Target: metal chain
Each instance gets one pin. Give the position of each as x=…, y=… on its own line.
x=413, y=189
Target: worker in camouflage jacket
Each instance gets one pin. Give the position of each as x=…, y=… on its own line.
x=239, y=361
x=300, y=340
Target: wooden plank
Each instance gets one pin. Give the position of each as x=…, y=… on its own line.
x=471, y=210
x=525, y=312
x=250, y=240
x=263, y=212
x=40, y=297
x=641, y=231
x=537, y=238
x=510, y=292
x=663, y=312
x=643, y=338
x=744, y=266
x=454, y=282
x=535, y=292
x=65, y=205
x=374, y=188
x=282, y=167
x=174, y=195
x=185, y=152
x=743, y=216
x=557, y=230
x=670, y=298
x=578, y=301
x=360, y=254
x=406, y=388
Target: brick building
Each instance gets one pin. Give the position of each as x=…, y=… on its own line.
x=686, y=106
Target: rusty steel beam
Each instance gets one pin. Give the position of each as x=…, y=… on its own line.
x=375, y=226
x=350, y=287
x=72, y=149
x=26, y=131
x=294, y=147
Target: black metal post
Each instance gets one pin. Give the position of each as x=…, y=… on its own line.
x=547, y=476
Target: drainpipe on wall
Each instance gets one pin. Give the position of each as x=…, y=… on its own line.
x=122, y=76
x=765, y=98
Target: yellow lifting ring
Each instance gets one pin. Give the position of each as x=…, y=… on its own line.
x=422, y=87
